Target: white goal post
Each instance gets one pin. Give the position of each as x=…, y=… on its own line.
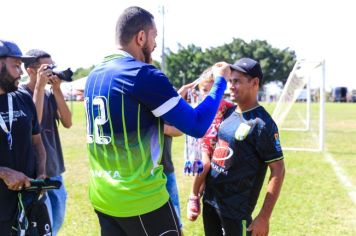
x=298, y=88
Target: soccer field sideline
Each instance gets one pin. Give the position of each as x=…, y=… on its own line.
x=340, y=173
x=313, y=200
x=342, y=176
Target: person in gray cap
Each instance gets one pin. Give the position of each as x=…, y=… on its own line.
x=22, y=155
x=248, y=143
x=51, y=109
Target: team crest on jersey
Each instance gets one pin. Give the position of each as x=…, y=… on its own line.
x=242, y=131
x=277, y=142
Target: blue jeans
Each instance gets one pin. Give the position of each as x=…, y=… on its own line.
x=56, y=205
x=172, y=189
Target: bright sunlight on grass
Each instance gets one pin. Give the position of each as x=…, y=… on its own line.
x=312, y=202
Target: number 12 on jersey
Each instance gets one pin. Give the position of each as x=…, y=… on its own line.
x=95, y=123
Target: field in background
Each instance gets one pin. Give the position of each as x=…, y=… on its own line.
x=312, y=202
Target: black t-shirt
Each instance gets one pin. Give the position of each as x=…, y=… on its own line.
x=247, y=142
x=21, y=157
x=50, y=134
x=167, y=155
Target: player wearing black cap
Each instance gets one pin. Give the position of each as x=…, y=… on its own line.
x=20, y=139
x=248, y=143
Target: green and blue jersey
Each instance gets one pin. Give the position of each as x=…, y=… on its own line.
x=124, y=137
x=126, y=101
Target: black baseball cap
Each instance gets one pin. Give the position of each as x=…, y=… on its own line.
x=10, y=49
x=249, y=67
x=37, y=54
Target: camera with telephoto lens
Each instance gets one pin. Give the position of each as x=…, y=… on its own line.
x=65, y=75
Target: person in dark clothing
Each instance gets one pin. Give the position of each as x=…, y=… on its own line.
x=51, y=110
x=248, y=143
x=22, y=155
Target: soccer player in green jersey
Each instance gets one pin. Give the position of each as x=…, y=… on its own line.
x=127, y=101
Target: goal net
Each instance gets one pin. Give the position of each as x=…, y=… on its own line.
x=299, y=112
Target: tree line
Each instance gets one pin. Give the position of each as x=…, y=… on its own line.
x=189, y=62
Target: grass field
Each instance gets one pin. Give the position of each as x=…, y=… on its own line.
x=313, y=200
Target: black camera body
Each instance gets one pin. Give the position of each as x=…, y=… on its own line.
x=65, y=75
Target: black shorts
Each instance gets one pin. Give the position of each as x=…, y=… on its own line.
x=162, y=221
x=217, y=225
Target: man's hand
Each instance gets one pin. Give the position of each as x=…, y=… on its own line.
x=259, y=226
x=43, y=75
x=183, y=91
x=222, y=69
x=55, y=82
x=15, y=180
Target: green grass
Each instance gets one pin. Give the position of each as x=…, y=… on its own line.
x=312, y=201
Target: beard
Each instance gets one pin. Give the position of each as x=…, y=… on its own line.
x=7, y=81
x=147, y=54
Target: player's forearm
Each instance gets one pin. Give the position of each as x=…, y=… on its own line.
x=195, y=122
x=273, y=191
x=64, y=112
x=3, y=172
x=172, y=131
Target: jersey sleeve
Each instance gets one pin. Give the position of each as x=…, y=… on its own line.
x=154, y=90
x=196, y=121
x=268, y=144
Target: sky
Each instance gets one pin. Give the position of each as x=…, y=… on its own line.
x=80, y=33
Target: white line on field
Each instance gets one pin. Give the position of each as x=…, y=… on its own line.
x=340, y=173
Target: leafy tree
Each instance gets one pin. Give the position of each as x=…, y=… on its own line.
x=187, y=64
x=157, y=64
x=82, y=72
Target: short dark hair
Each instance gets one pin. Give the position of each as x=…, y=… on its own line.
x=38, y=54
x=130, y=22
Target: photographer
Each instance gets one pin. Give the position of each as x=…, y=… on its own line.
x=21, y=150
x=50, y=107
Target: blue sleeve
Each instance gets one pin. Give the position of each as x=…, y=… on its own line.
x=153, y=89
x=195, y=122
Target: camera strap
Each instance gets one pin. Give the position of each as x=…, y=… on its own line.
x=3, y=124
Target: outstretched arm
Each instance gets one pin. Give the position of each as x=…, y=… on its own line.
x=196, y=121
